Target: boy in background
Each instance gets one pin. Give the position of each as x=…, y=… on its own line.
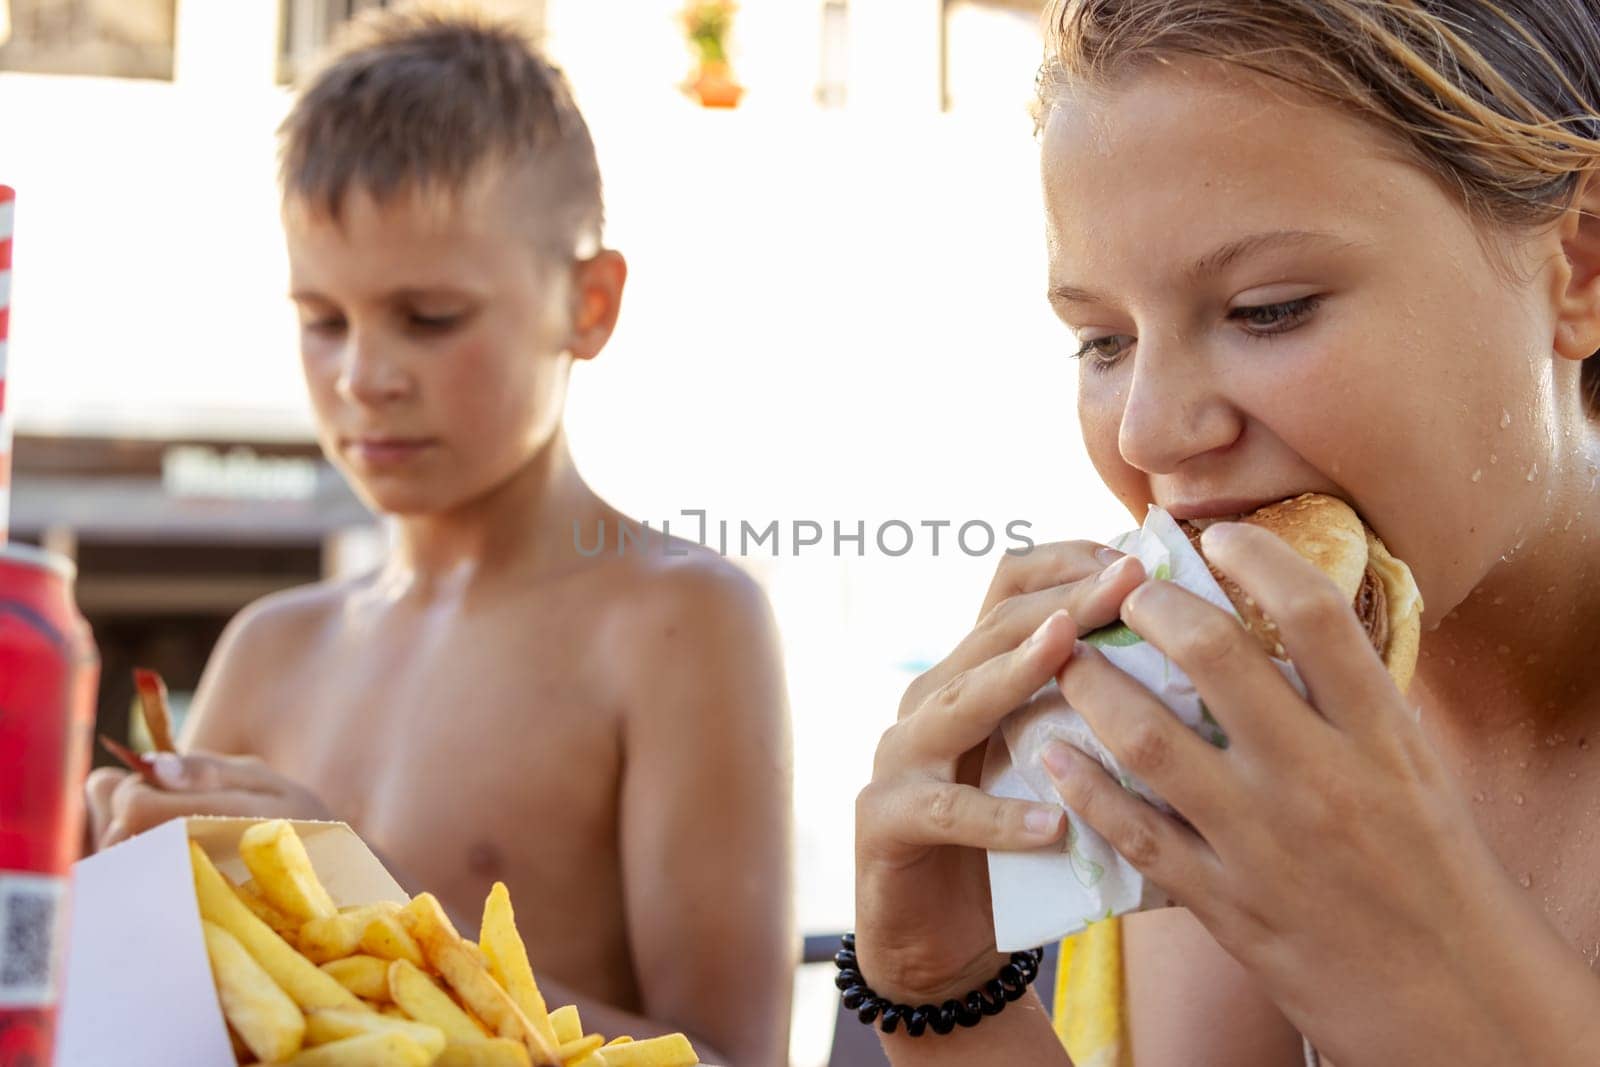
x=605, y=732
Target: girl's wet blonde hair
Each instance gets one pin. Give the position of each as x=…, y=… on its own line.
x=1500, y=100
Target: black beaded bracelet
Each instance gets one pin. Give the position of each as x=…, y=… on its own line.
x=1010, y=984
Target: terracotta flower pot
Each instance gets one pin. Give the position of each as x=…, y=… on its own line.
x=715, y=87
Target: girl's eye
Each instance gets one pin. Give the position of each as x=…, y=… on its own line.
x=1267, y=319
x=1103, y=352
x=327, y=327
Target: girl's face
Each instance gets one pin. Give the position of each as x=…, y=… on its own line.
x=1268, y=300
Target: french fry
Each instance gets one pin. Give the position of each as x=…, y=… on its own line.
x=618, y=1041
x=425, y=1002
x=494, y=1052
x=577, y=1050
x=307, y=986
x=426, y=921
x=367, y=1050
x=155, y=709
x=593, y=1059
x=365, y=976
x=565, y=1022
x=261, y=1014
x=277, y=860
x=323, y=1027
x=673, y=1050
x=386, y=937
x=508, y=960
x=284, y=926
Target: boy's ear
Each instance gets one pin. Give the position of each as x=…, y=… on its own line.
x=1578, y=327
x=596, y=301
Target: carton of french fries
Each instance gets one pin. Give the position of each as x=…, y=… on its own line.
x=238, y=941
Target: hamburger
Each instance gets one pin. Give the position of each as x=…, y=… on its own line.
x=1329, y=534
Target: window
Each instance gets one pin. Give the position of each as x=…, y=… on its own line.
x=113, y=38
x=992, y=51
x=834, y=75
x=306, y=27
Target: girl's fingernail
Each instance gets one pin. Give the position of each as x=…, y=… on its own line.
x=1042, y=822
x=1059, y=759
x=1039, y=634
x=1220, y=534
x=168, y=768
x=1107, y=556
x=1116, y=570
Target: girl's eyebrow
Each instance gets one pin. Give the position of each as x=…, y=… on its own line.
x=1217, y=259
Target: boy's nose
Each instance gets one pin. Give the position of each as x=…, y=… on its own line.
x=369, y=375
x=1173, y=411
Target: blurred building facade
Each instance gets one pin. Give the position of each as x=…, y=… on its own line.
x=834, y=291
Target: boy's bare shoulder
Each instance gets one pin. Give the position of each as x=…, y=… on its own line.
x=273, y=630
x=687, y=610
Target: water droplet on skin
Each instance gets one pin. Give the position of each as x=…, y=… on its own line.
x=1477, y=475
x=1522, y=765
x=1533, y=472
x=1526, y=881
x=1503, y=649
x=1583, y=742
x=1493, y=459
x=1505, y=418
x=1519, y=799
x=1478, y=797
x=1499, y=600
x=1553, y=740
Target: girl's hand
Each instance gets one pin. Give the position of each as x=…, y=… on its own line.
x=1328, y=849
x=924, y=929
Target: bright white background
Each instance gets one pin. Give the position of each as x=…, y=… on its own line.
x=832, y=315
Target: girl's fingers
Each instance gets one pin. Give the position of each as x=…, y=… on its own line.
x=920, y=813
x=1092, y=601
x=1045, y=566
x=963, y=712
x=1241, y=688
x=1165, y=851
x=1148, y=740
x=1345, y=678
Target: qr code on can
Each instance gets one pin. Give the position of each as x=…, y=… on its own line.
x=30, y=922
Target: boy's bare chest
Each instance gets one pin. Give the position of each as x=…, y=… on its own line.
x=467, y=754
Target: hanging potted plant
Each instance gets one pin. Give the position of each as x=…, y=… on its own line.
x=708, y=22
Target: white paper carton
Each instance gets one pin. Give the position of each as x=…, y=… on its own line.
x=138, y=990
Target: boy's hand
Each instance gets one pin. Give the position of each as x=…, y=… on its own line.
x=121, y=804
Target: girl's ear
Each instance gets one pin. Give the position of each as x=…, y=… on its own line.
x=1578, y=325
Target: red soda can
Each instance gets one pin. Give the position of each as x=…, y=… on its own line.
x=49, y=670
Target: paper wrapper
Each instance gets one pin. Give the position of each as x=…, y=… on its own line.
x=1046, y=894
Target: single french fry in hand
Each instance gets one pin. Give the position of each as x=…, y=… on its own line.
x=577, y=1050
x=368, y=1050
x=508, y=960
x=307, y=986
x=155, y=709
x=425, y=1002
x=494, y=1052
x=565, y=1022
x=277, y=860
x=673, y=1050
x=323, y=1027
x=426, y=921
x=261, y=1014
x=365, y=976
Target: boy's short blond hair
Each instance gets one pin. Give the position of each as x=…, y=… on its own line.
x=417, y=99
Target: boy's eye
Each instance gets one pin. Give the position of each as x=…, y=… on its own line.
x=1275, y=318
x=433, y=323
